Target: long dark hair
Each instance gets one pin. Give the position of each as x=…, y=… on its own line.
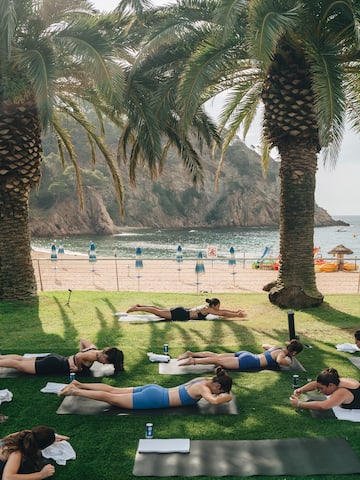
x=223, y=379
x=116, y=357
x=29, y=443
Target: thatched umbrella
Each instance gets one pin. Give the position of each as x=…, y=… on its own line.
x=340, y=251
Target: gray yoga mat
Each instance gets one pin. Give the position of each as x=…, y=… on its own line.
x=97, y=370
x=355, y=361
x=244, y=458
x=172, y=368
x=85, y=406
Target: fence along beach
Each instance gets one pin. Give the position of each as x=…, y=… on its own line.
x=75, y=272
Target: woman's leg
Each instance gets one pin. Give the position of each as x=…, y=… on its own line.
x=100, y=387
x=223, y=360
x=159, y=312
x=205, y=354
x=119, y=400
x=22, y=364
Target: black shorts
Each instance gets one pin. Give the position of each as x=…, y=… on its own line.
x=52, y=364
x=180, y=313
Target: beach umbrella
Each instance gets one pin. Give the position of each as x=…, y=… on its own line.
x=232, y=262
x=61, y=250
x=138, y=264
x=340, y=251
x=53, y=254
x=199, y=269
x=92, y=255
x=179, y=258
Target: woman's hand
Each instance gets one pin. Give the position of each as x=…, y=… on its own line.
x=59, y=438
x=47, y=471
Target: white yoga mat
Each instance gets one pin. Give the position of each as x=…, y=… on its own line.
x=137, y=318
x=160, y=445
x=353, y=415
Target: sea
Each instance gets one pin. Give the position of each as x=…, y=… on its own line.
x=167, y=243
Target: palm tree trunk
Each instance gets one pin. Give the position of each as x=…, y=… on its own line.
x=296, y=283
x=17, y=278
x=20, y=162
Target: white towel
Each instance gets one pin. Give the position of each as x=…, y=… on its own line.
x=60, y=452
x=53, y=387
x=5, y=395
x=347, y=414
x=347, y=347
x=31, y=355
x=168, y=445
x=154, y=357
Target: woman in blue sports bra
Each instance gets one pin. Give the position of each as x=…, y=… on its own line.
x=340, y=392
x=215, y=390
x=212, y=307
x=273, y=357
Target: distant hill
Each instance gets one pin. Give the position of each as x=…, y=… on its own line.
x=244, y=198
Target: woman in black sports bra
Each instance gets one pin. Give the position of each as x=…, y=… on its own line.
x=340, y=391
x=53, y=363
x=212, y=307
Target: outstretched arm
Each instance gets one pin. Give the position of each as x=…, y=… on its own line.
x=334, y=400
x=84, y=343
x=224, y=312
x=215, y=399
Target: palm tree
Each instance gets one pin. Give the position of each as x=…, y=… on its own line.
x=55, y=61
x=299, y=60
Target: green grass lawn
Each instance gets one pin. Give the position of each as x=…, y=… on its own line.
x=106, y=445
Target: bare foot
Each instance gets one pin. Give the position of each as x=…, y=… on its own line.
x=134, y=308
x=185, y=355
x=67, y=390
x=186, y=361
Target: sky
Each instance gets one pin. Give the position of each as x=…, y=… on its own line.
x=337, y=188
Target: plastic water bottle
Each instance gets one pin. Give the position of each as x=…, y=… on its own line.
x=166, y=349
x=71, y=377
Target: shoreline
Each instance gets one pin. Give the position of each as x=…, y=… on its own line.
x=76, y=272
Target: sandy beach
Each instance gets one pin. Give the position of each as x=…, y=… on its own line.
x=110, y=274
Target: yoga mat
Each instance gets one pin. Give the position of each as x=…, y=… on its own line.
x=145, y=318
x=85, y=406
x=97, y=370
x=138, y=318
x=172, y=368
x=355, y=361
x=244, y=458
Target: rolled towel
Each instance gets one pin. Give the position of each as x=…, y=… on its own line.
x=154, y=357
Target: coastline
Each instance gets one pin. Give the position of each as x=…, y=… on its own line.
x=75, y=272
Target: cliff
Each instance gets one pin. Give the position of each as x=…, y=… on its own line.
x=244, y=198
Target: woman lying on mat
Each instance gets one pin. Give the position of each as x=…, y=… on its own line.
x=20, y=453
x=341, y=392
x=57, y=364
x=215, y=390
x=211, y=307
x=273, y=357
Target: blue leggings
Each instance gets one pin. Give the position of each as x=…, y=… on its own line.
x=247, y=360
x=150, y=396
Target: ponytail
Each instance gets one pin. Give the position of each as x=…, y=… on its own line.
x=223, y=379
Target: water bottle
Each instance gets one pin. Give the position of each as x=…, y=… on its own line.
x=71, y=377
x=166, y=349
x=295, y=381
x=149, y=430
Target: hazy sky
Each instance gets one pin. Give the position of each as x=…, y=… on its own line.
x=337, y=189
